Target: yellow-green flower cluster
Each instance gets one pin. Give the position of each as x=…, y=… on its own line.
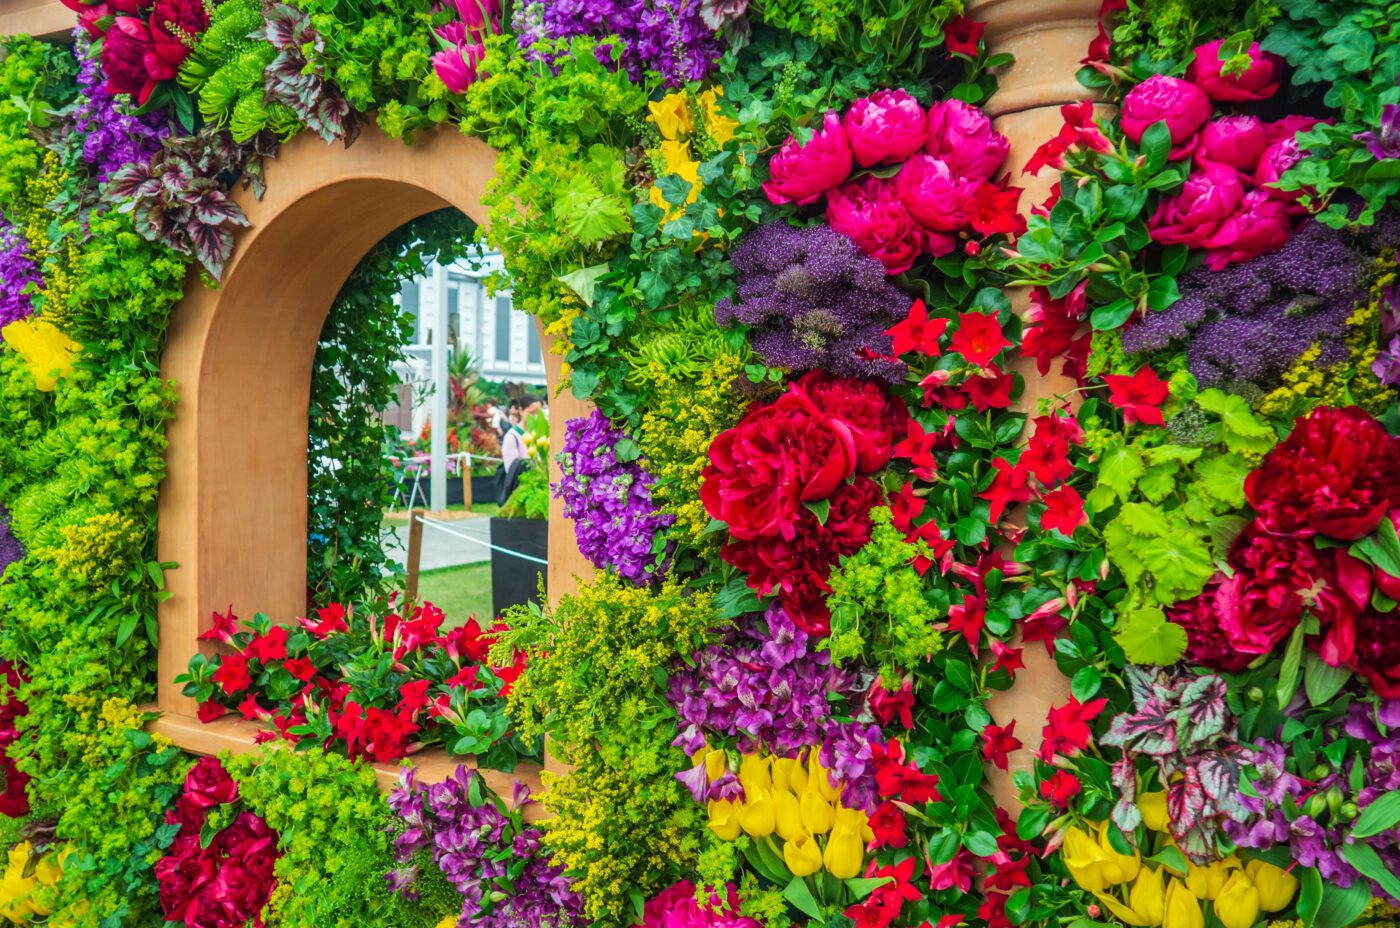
x=1144, y=894
x=680, y=421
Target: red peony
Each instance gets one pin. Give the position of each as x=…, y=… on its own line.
x=885, y=127
x=676, y=907
x=208, y=784
x=1377, y=654
x=936, y=197
x=124, y=50
x=1337, y=474
x=173, y=24
x=1258, y=81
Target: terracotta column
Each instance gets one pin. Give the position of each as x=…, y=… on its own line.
x=567, y=565
x=1048, y=38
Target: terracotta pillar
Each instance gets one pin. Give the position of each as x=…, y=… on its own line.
x=567, y=565
x=1048, y=38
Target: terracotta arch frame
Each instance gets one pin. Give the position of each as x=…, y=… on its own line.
x=233, y=506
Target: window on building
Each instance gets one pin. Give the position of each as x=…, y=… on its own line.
x=408, y=301
x=503, y=329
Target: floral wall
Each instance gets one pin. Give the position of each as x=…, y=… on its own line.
x=845, y=504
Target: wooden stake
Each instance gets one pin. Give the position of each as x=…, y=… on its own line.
x=415, y=553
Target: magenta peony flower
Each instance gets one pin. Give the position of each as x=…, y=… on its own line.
x=457, y=66
x=937, y=198
x=124, y=52
x=1183, y=106
x=1260, y=225
x=1259, y=81
x=962, y=136
x=885, y=127
x=1236, y=141
x=1207, y=199
x=870, y=213
x=802, y=173
x=676, y=908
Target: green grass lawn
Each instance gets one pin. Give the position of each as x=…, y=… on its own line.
x=459, y=592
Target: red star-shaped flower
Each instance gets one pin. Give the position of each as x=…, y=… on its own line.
x=1009, y=486
x=1007, y=657
x=999, y=741
x=1064, y=511
x=917, y=448
x=979, y=338
x=918, y=333
x=963, y=36
x=1067, y=729
x=1139, y=395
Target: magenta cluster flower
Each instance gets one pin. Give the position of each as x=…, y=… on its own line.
x=17, y=272
x=1387, y=363
x=675, y=907
x=1298, y=809
x=496, y=863
x=111, y=136
x=465, y=37
x=941, y=196
x=766, y=684
x=668, y=37
x=811, y=300
x=607, y=493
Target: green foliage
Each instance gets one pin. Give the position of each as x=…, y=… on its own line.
x=889, y=33
x=878, y=608
x=225, y=73
x=1171, y=512
x=1168, y=30
x=332, y=823
x=1353, y=50
x=350, y=482
x=530, y=499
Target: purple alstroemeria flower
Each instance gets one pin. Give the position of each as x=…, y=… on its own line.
x=1384, y=144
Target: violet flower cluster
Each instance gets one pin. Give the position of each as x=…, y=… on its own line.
x=812, y=299
x=1250, y=322
x=1387, y=364
x=607, y=493
x=1323, y=808
x=112, y=136
x=10, y=548
x=669, y=37
x=17, y=272
x=478, y=847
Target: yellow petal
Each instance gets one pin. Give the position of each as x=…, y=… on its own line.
x=1276, y=886
x=671, y=114
x=1237, y=904
x=724, y=819
x=802, y=855
x=759, y=816
x=48, y=352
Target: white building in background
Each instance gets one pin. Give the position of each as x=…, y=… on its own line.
x=502, y=339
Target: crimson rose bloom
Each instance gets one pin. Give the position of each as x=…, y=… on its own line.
x=1160, y=98
x=934, y=195
x=1259, y=81
x=1262, y=603
x=1337, y=474
x=1260, y=225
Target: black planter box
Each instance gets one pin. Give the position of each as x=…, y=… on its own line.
x=515, y=581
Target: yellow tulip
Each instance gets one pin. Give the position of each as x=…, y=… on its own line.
x=817, y=814
x=1237, y=905
x=1118, y=868
x=671, y=114
x=1149, y=896
x=788, y=814
x=1276, y=886
x=755, y=773
x=724, y=819
x=677, y=158
x=716, y=763
x=1153, y=807
x=758, y=817
x=1206, y=882
x=1183, y=909
x=820, y=777
x=845, y=851
x=48, y=352
x=1123, y=913
x=720, y=127
x=1085, y=860
x=802, y=855
x=781, y=771
x=797, y=777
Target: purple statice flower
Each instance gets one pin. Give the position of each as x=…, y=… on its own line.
x=765, y=684
x=1384, y=144
x=668, y=37
x=1252, y=321
x=17, y=272
x=10, y=548
x=480, y=851
x=811, y=299
x=607, y=493
x=112, y=137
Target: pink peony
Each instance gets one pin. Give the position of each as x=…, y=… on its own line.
x=885, y=127
x=802, y=173
x=1193, y=216
x=937, y=198
x=1259, y=81
x=1184, y=108
x=1260, y=225
x=456, y=67
x=676, y=908
x=870, y=214
x=962, y=136
x=1237, y=141
x=1282, y=153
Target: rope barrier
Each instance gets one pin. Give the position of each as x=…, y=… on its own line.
x=443, y=528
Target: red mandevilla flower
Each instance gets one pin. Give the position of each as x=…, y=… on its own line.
x=1067, y=729
x=1139, y=395
x=979, y=338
